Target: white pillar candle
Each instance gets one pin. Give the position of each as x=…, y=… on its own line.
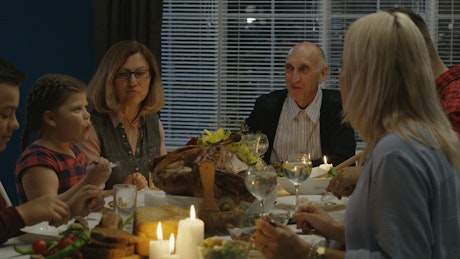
x=171, y=254
x=158, y=248
x=190, y=234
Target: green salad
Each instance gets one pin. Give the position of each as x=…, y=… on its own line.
x=218, y=248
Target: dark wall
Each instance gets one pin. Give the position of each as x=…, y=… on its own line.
x=46, y=36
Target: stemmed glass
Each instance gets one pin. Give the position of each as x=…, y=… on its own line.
x=260, y=181
x=257, y=144
x=297, y=168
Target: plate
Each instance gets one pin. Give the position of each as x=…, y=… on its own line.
x=327, y=202
x=309, y=186
x=44, y=229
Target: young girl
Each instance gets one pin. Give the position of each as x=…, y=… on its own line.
x=53, y=164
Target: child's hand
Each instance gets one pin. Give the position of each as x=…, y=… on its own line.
x=136, y=179
x=44, y=208
x=89, y=198
x=98, y=172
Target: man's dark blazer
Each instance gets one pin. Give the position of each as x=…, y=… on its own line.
x=337, y=139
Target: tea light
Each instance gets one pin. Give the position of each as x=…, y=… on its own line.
x=171, y=254
x=158, y=248
x=325, y=166
x=190, y=234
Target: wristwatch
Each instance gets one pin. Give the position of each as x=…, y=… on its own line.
x=320, y=251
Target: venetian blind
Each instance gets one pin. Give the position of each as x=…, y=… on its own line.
x=218, y=56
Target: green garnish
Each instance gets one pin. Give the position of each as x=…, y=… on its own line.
x=332, y=172
x=128, y=220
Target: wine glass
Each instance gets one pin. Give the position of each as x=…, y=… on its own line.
x=297, y=168
x=257, y=144
x=260, y=181
x=262, y=144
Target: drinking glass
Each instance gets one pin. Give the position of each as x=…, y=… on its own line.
x=124, y=199
x=260, y=181
x=257, y=144
x=297, y=168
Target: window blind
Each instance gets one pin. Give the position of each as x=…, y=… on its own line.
x=218, y=56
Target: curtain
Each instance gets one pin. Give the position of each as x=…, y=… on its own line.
x=116, y=20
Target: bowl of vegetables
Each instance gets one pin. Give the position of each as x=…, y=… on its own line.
x=219, y=248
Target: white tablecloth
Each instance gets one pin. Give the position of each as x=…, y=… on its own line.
x=25, y=240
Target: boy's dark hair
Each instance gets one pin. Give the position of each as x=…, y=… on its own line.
x=10, y=74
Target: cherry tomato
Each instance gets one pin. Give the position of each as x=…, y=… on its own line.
x=65, y=242
x=50, y=252
x=39, y=246
x=70, y=236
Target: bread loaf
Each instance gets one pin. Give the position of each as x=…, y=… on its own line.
x=90, y=252
x=107, y=243
x=146, y=221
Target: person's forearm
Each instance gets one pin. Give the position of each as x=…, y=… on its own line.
x=336, y=231
x=10, y=223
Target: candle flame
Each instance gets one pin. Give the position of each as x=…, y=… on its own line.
x=325, y=160
x=192, y=212
x=171, y=243
x=159, y=232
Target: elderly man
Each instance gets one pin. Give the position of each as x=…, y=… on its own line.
x=303, y=118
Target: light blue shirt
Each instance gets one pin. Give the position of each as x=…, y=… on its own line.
x=406, y=204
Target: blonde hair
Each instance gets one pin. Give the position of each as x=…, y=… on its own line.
x=390, y=85
x=101, y=92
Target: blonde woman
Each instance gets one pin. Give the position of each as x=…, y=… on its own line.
x=407, y=200
x=126, y=95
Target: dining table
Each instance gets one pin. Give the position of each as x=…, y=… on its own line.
x=284, y=200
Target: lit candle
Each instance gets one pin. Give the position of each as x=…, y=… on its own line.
x=190, y=234
x=325, y=166
x=171, y=254
x=158, y=248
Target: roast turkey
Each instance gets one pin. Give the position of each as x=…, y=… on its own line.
x=177, y=172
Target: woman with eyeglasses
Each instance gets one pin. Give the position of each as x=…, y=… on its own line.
x=125, y=95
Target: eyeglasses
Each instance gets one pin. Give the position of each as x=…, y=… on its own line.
x=125, y=74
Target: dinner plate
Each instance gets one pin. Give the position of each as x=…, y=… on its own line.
x=326, y=201
x=44, y=229
x=308, y=187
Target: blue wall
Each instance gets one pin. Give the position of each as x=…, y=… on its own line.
x=46, y=36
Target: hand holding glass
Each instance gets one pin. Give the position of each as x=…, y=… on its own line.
x=261, y=181
x=297, y=168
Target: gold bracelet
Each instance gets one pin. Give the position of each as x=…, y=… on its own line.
x=312, y=251
x=320, y=251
